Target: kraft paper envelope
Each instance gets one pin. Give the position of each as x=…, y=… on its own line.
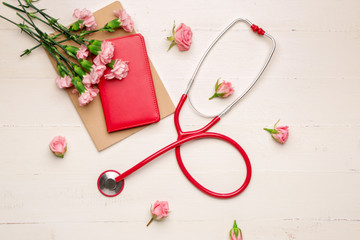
x=92, y=114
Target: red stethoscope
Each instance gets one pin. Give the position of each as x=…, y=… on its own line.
x=111, y=183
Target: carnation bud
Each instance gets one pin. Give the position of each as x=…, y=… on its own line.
x=78, y=70
x=87, y=65
x=76, y=26
x=71, y=51
x=61, y=71
x=77, y=82
x=110, y=26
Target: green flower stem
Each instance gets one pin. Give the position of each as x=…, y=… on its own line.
x=13, y=7
x=53, y=22
x=24, y=28
x=272, y=131
x=214, y=96
x=50, y=21
x=48, y=43
x=84, y=33
x=49, y=39
x=8, y=20
x=28, y=51
x=55, y=26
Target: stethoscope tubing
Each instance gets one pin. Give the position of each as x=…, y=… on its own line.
x=184, y=137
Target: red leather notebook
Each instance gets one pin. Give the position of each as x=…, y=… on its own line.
x=130, y=102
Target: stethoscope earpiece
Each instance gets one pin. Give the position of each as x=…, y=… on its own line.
x=107, y=184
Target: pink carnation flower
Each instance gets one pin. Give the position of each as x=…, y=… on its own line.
x=87, y=17
x=64, y=82
x=126, y=22
x=96, y=73
x=119, y=71
x=105, y=55
x=94, y=76
x=83, y=52
x=88, y=96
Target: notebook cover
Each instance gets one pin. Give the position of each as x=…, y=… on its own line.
x=129, y=102
x=92, y=114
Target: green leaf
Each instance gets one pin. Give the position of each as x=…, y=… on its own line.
x=272, y=131
x=173, y=29
x=173, y=43
x=217, y=85
x=213, y=96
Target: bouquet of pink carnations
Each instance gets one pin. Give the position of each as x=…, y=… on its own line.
x=74, y=63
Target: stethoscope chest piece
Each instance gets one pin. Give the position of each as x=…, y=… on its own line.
x=107, y=184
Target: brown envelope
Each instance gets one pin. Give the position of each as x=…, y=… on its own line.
x=92, y=114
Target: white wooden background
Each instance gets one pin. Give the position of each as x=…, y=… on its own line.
x=306, y=189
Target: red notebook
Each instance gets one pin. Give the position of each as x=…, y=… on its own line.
x=130, y=102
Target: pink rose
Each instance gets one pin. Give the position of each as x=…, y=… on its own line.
x=83, y=52
x=280, y=134
x=126, y=22
x=159, y=210
x=87, y=17
x=119, y=71
x=106, y=53
x=87, y=96
x=223, y=89
x=58, y=146
x=183, y=37
x=64, y=82
x=235, y=232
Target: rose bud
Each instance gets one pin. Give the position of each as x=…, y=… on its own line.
x=159, y=211
x=235, y=232
x=280, y=134
x=222, y=90
x=58, y=146
x=182, y=37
